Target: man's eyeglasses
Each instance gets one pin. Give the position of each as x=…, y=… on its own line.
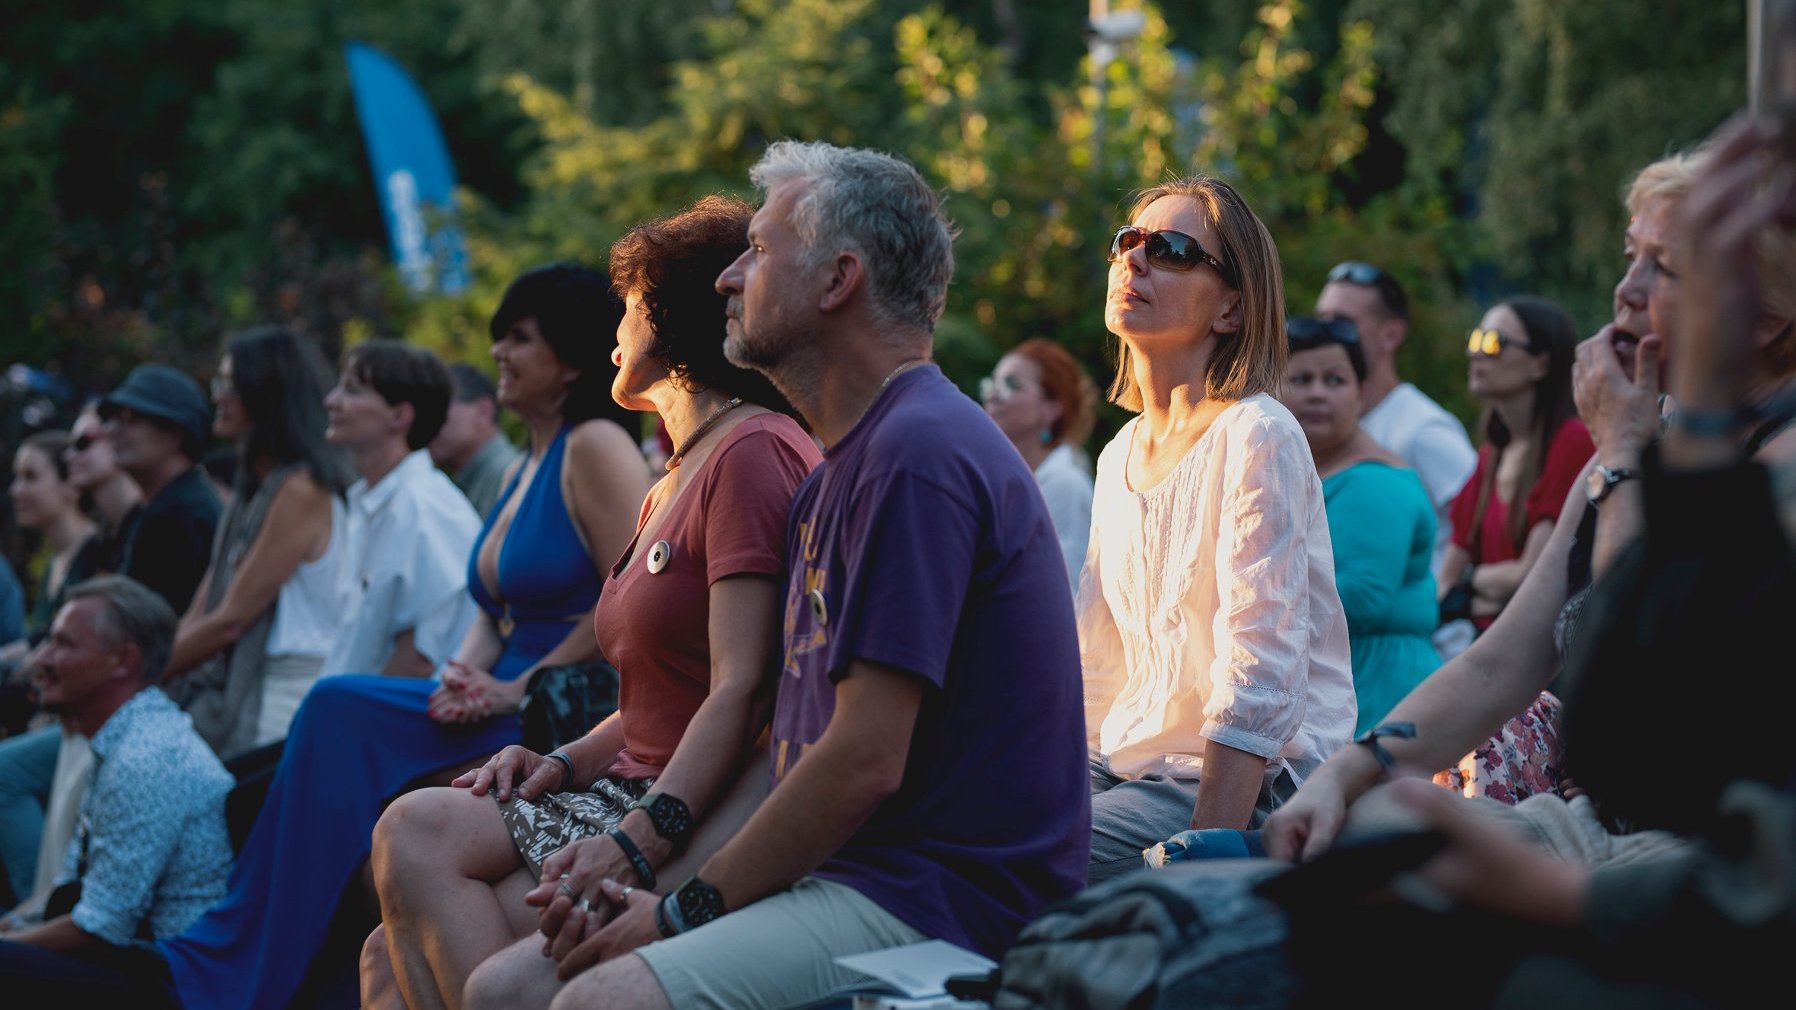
x=1355, y=272
x=1168, y=250
x=1490, y=343
x=1306, y=332
x=995, y=390
x=85, y=440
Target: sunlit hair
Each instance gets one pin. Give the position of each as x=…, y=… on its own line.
x=1252, y=359
x=282, y=378
x=1550, y=333
x=1668, y=181
x=1066, y=382
x=672, y=262
x=877, y=205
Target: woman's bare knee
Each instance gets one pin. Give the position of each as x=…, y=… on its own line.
x=442, y=830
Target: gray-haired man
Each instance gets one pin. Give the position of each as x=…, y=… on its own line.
x=152, y=851
x=928, y=753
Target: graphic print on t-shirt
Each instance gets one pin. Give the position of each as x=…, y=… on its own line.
x=806, y=598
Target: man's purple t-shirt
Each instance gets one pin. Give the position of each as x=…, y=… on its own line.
x=922, y=543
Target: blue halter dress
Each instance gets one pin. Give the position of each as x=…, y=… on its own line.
x=357, y=741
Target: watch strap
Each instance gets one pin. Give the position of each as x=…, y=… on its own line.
x=667, y=918
x=1611, y=476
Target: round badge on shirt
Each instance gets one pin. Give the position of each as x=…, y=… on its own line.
x=819, y=608
x=659, y=555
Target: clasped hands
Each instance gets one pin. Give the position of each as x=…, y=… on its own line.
x=585, y=912
x=468, y=694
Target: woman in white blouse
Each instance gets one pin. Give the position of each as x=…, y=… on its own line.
x=1214, y=644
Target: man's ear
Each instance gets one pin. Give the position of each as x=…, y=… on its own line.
x=1396, y=331
x=489, y=409
x=129, y=665
x=846, y=276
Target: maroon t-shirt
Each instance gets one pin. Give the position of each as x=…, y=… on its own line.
x=653, y=621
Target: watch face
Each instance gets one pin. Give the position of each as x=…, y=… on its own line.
x=1594, y=484
x=670, y=815
x=699, y=902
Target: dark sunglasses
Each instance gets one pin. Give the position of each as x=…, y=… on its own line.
x=82, y=442
x=1310, y=331
x=1168, y=250
x=1490, y=343
x=1355, y=272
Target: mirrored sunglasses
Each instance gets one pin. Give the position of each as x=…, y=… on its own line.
x=1490, y=343
x=1355, y=272
x=1168, y=250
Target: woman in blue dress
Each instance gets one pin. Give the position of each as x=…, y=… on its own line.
x=358, y=740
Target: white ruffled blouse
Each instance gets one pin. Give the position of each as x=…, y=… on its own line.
x=1207, y=604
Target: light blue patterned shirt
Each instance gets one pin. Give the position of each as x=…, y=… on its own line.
x=151, y=847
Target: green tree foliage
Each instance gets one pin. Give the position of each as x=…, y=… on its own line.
x=175, y=168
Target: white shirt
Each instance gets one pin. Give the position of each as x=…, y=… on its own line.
x=1432, y=442
x=1207, y=608
x=407, y=541
x=1066, y=486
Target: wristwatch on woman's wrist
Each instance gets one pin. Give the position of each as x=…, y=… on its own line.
x=1602, y=480
x=670, y=815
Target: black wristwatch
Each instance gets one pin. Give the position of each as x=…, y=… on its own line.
x=1602, y=480
x=698, y=903
x=670, y=815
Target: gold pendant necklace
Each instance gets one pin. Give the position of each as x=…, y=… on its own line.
x=704, y=426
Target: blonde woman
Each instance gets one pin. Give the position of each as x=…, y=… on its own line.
x=1214, y=643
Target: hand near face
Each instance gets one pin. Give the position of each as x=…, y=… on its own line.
x=1621, y=410
x=1744, y=191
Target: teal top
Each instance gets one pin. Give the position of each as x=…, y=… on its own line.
x=1382, y=525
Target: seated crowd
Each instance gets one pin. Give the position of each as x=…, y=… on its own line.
x=837, y=696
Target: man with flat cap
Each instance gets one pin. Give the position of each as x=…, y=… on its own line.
x=158, y=420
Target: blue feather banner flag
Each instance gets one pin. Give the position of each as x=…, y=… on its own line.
x=412, y=172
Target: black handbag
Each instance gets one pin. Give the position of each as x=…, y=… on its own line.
x=563, y=703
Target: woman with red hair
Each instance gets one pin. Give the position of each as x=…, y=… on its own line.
x=1042, y=399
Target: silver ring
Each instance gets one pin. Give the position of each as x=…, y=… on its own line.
x=565, y=889
x=583, y=905
x=623, y=896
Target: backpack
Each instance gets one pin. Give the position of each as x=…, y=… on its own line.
x=1192, y=935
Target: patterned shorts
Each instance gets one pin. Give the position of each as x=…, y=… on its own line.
x=542, y=827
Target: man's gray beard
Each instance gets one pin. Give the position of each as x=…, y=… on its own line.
x=737, y=351
x=791, y=366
